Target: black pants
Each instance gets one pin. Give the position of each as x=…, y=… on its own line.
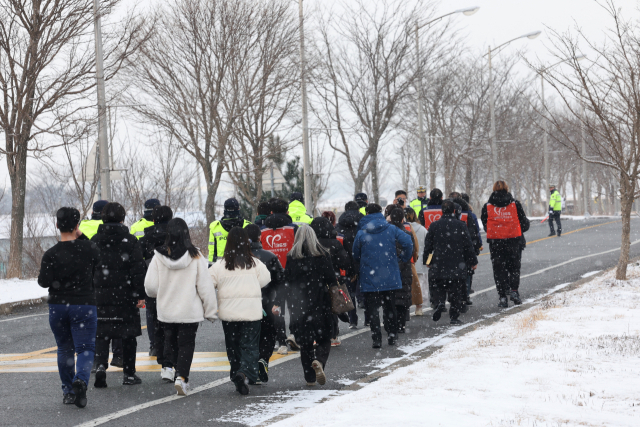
x=308, y=354
x=353, y=314
x=386, y=300
x=155, y=330
x=456, y=289
x=268, y=336
x=555, y=216
x=432, y=291
x=403, y=312
x=243, y=347
x=506, y=270
x=281, y=328
x=129, y=347
x=116, y=347
x=179, y=345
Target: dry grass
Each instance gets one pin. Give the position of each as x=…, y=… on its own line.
x=528, y=321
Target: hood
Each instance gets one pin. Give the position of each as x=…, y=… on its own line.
x=297, y=209
x=374, y=223
x=323, y=228
x=501, y=198
x=174, y=264
x=113, y=230
x=229, y=223
x=463, y=205
x=350, y=219
x=277, y=220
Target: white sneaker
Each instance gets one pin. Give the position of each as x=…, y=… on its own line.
x=291, y=340
x=335, y=342
x=181, y=386
x=167, y=374
x=283, y=349
x=419, y=311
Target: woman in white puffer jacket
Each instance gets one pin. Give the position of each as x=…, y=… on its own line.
x=239, y=278
x=177, y=276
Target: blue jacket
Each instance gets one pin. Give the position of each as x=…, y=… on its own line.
x=375, y=249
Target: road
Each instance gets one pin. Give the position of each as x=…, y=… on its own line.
x=31, y=393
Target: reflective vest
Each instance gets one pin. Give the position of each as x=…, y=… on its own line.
x=363, y=211
x=298, y=213
x=503, y=223
x=407, y=227
x=278, y=241
x=89, y=227
x=218, y=239
x=418, y=205
x=431, y=215
x=137, y=228
x=555, y=201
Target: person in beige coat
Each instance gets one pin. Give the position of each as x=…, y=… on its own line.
x=177, y=277
x=239, y=278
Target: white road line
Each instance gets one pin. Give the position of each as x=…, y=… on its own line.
x=24, y=317
x=213, y=384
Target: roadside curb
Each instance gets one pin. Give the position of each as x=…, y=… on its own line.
x=8, y=307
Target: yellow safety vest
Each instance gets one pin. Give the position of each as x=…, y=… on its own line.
x=137, y=228
x=298, y=213
x=89, y=227
x=417, y=205
x=363, y=211
x=218, y=239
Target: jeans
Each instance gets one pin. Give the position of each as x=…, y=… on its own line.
x=506, y=270
x=556, y=216
x=129, y=347
x=74, y=328
x=309, y=353
x=455, y=289
x=243, y=347
x=179, y=346
x=386, y=300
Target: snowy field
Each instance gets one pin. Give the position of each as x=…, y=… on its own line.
x=570, y=361
x=12, y=290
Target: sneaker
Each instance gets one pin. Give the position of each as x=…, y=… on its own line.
x=455, y=322
x=80, y=390
x=153, y=352
x=335, y=342
x=131, y=379
x=101, y=377
x=321, y=378
x=117, y=362
x=471, y=291
x=392, y=341
x=263, y=370
x=167, y=375
x=291, y=340
x=313, y=384
x=182, y=387
x=240, y=380
x=559, y=233
x=551, y=234
x=69, y=399
x=515, y=297
x=402, y=330
x=353, y=326
x=377, y=343
x=419, y=312
x=437, y=313
x=367, y=324
x=94, y=368
x=283, y=349
x=503, y=302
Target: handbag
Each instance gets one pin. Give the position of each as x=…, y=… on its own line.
x=340, y=299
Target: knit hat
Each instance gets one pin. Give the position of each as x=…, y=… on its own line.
x=99, y=205
x=151, y=203
x=231, y=208
x=361, y=197
x=296, y=195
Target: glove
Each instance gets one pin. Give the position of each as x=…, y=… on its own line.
x=550, y=211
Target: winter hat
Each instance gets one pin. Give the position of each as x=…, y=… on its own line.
x=296, y=195
x=421, y=189
x=231, y=208
x=99, y=205
x=151, y=203
x=361, y=197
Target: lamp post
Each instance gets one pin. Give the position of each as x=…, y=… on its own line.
x=305, y=112
x=492, y=133
x=423, y=143
x=103, y=165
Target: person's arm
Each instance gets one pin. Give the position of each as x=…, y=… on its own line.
x=356, y=247
x=137, y=270
x=406, y=244
x=416, y=246
x=484, y=217
x=262, y=272
x=205, y=289
x=522, y=217
x=47, y=268
x=470, y=257
x=281, y=291
x=475, y=219
x=152, y=279
x=428, y=244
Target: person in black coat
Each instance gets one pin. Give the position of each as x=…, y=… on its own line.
x=153, y=238
x=269, y=333
x=119, y=286
x=308, y=275
x=505, y=222
x=264, y=210
x=348, y=227
x=452, y=253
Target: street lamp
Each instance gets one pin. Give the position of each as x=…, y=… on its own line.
x=494, y=149
x=468, y=11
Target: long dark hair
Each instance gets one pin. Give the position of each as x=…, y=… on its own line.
x=178, y=240
x=237, y=252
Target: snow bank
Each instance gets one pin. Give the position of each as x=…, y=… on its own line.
x=12, y=290
x=573, y=360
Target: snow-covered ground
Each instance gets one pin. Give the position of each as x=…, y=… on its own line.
x=570, y=361
x=12, y=290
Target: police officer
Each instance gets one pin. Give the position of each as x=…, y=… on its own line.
x=89, y=227
x=421, y=202
x=555, y=208
x=362, y=200
x=137, y=228
x=219, y=230
x=297, y=211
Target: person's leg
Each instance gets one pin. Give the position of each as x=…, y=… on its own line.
x=432, y=290
x=267, y=336
x=186, y=348
x=402, y=317
x=335, y=326
x=372, y=303
x=390, y=313
x=500, y=275
x=353, y=314
x=249, y=349
x=129, y=347
x=61, y=328
x=102, y=351
x=307, y=356
x=151, y=315
x=231, y=340
x=84, y=323
x=159, y=342
x=169, y=354
x=513, y=270
x=323, y=348
x=281, y=330
x=558, y=223
x=456, y=291
x=116, y=348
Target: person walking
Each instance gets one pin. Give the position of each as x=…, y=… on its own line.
x=420, y=270
x=119, y=287
x=505, y=222
x=467, y=216
x=421, y=202
x=470, y=290
x=555, y=209
x=219, y=230
x=297, y=210
x=429, y=216
x=138, y=227
x=239, y=277
x=178, y=279
x=375, y=249
x=449, y=246
x=362, y=200
x=89, y=227
x=308, y=276
x=67, y=270
x=348, y=227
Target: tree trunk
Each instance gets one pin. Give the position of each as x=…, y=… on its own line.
x=626, y=190
x=18, y=177
x=375, y=186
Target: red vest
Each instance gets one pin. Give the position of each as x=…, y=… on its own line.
x=431, y=215
x=409, y=229
x=278, y=241
x=463, y=217
x=340, y=238
x=503, y=223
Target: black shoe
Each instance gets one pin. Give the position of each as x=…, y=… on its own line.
x=515, y=297
x=131, y=379
x=101, y=377
x=377, y=343
x=80, y=390
x=402, y=330
x=153, y=352
x=353, y=326
x=240, y=380
x=444, y=309
x=69, y=399
x=559, y=233
x=468, y=301
x=503, y=302
x=437, y=313
x=117, y=362
x=455, y=322
x=392, y=341
x=263, y=370
x=551, y=234
x=471, y=291
x=433, y=305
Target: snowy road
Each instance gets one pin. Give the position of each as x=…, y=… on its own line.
x=32, y=396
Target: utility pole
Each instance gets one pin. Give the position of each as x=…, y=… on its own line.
x=305, y=112
x=585, y=182
x=423, y=144
x=273, y=186
x=492, y=132
x=545, y=143
x=103, y=145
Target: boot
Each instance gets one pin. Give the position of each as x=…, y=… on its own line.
x=437, y=313
x=503, y=302
x=559, y=233
x=515, y=297
x=551, y=234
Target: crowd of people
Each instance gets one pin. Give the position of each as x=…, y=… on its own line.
x=101, y=273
